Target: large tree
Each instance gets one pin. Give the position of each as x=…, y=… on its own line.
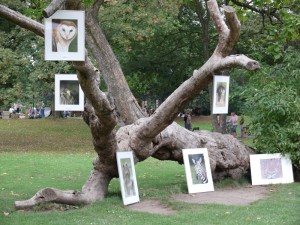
x=156, y=136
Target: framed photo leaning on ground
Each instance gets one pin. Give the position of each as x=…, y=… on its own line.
x=68, y=93
x=197, y=170
x=220, y=94
x=128, y=183
x=271, y=169
x=65, y=36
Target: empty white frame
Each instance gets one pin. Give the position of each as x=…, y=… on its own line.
x=128, y=183
x=197, y=170
x=68, y=93
x=271, y=169
x=65, y=36
x=220, y=94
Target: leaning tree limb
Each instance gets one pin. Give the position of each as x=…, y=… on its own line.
x=168, y=110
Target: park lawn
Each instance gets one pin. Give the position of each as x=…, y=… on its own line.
x=61, y=165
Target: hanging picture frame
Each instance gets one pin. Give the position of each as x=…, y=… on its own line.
x=65, y=36
x=271, y=169
x=197, y=170
x=127, y=175
x=220, y=94
x=68, y=93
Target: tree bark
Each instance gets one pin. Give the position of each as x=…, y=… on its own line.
x=156, y=136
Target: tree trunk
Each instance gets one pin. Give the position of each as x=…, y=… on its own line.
x=156, y=136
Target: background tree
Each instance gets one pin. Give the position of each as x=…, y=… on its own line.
x=156, y=136
x=271, y=97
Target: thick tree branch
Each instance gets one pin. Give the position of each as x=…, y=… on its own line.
x=113, y=75
x=95, y=188
x=169, y=109
x=21, y=20
x=53, y=7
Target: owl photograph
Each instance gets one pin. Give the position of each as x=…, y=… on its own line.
x=64, y=36
x=68, y=93
x=220, y=94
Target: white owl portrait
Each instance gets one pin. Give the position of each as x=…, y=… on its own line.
x=63, y=35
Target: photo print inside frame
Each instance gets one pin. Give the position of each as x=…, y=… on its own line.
x=197, y=169
x=220, y=94
x=65, y=36
x=128, y=182
x=271, y=169
x=68, y=93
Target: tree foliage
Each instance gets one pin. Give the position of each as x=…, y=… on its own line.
x=25, y=77
x=273, y=100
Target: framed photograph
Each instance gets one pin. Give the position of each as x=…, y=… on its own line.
x=271, y=169
x=197, y=170
x=65, y=36
x=220, y=94
x=128, y=183
x=68, y=93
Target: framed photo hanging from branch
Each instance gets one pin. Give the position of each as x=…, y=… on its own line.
x=68, y=93
x=271, y=169
x=65, y=36
x=128, y=183
x=220, y=94
x=197, y=170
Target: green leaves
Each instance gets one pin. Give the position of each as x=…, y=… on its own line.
x=273, y=99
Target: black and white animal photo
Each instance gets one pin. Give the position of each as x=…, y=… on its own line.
x=128, y=180
x=69, y=92
x=64, y=32
x=221, y=94
x=199, y=174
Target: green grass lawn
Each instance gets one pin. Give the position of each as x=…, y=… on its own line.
x=35, y=154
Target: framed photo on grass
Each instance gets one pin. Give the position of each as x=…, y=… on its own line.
x=220, y=94
x=65, y=36
x=128, y=183
x=197, y=170
x=271, y=169
x=68, y=93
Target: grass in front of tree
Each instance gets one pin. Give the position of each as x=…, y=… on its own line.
x=61, y=165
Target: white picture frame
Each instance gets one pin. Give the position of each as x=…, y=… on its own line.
x=194, y=160
x=65, y=36
x=127, y=175
x=220, y=94
x=68, y=93
x=271, y=169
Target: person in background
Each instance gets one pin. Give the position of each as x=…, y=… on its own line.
x=242, y=126
x=234, y=121
x=188, y=121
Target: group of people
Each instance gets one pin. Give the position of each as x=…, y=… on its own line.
x=234, y=121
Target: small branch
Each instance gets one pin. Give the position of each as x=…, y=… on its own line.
x=53, y=7
x=238, y=60
x=21, y=20
x=260, y=11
